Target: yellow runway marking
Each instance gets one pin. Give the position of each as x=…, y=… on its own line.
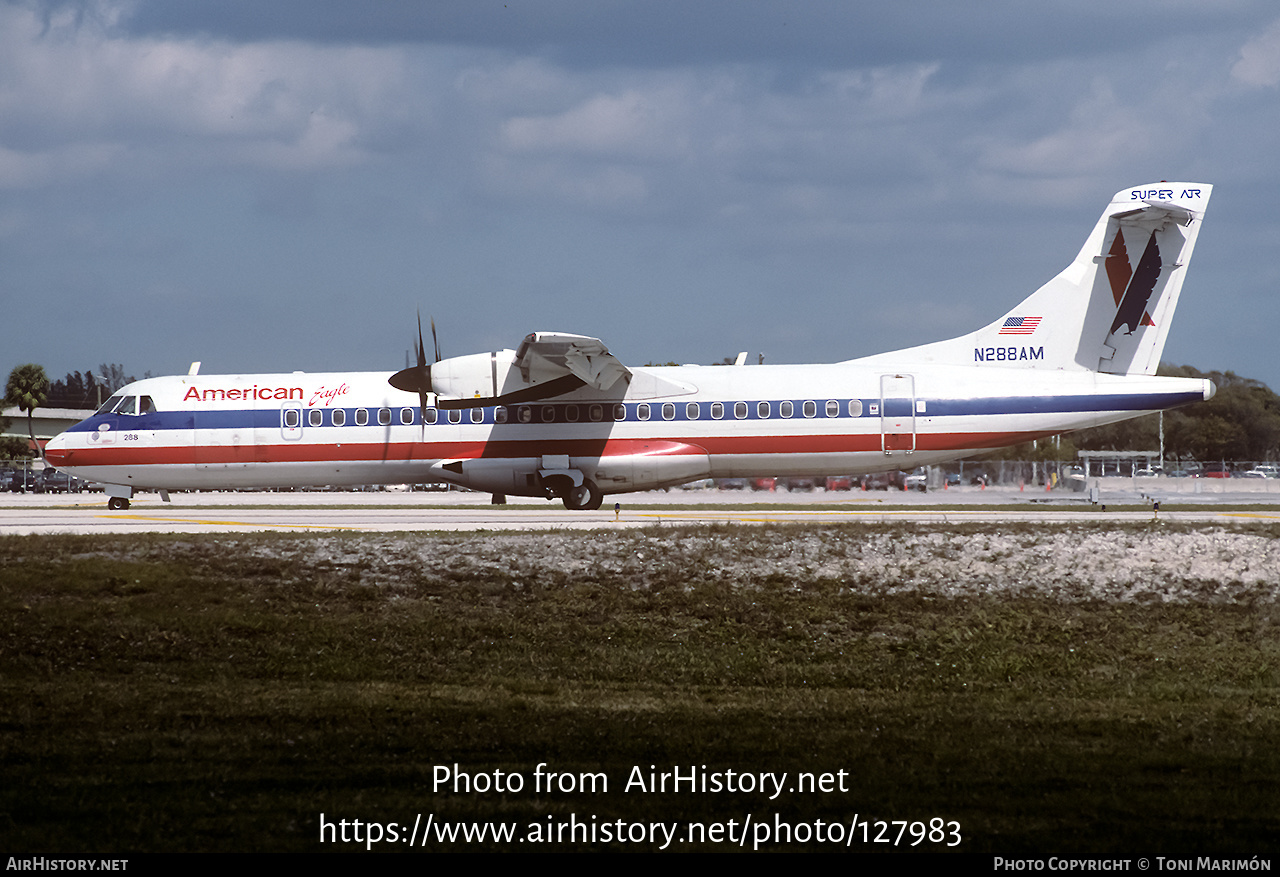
x=225, y=523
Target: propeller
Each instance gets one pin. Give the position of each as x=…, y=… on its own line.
x=417, y=378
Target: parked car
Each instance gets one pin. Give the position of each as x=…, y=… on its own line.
x=839, y=482
x=885, y=480
x=22, y=481
x=917, y=480
x=1216, y=470
x=53, y=481
x=763, y=483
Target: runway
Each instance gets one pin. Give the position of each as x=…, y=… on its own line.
x=410, y=512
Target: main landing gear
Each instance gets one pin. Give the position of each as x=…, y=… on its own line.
x=585, y=498
x=117, y=503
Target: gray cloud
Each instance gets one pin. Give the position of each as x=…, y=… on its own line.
x=269, y=186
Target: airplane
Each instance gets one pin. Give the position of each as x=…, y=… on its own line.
x=561, y=417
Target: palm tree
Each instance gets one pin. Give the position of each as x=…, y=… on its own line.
x=28, y=388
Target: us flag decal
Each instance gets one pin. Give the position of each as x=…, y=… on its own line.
x=1019, y=326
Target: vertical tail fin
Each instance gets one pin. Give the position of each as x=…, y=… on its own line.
x=1161, y=223
x=1110, y=309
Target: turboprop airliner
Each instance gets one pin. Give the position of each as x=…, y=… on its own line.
x=561, y=417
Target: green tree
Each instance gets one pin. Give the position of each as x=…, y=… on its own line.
x=1241, y=422
x=27, y=388
x=11, y=447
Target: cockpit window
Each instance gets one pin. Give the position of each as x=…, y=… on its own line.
x=109, y=405
x=145, y=405
x=128, y=406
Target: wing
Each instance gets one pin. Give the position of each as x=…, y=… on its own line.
x=546, y=365
x=544, y=356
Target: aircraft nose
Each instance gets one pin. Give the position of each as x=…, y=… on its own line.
x=56, y=452
x=1209, y=389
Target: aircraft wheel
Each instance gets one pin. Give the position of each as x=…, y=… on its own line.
x=585, y=498
x=117, y=503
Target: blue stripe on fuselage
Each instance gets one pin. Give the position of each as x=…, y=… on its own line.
x=270, y=418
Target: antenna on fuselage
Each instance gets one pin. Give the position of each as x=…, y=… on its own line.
x=195, y=368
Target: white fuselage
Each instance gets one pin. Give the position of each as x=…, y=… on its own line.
x=736, y=421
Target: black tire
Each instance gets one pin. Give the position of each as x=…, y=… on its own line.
x=586, y=498
x=117, y=503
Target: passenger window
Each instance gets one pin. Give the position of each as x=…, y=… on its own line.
x=339, y=417
x=384, y=417
x=855, y=407
x=571, y=413
x=455, y=415
x=642, y=411
x=668, y=411
x=740, y=410
x=762, y=410
x=833, y=408
x=362, y=417
x=500, y=414
x=406, y=416
x=432, y=415
x=810, y=408
x=692, y=411
x=717, y=410
x=596, y=413
x=786, y=409
x=292, y=417
x=477, y=415
x=619, y=411
x=548, y=414
x=315, y=417
x=525, y=414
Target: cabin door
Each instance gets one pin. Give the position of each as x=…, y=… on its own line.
x=897, y=414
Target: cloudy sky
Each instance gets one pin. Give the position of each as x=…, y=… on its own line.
x=270, y=186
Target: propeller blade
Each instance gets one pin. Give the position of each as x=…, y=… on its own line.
x=415, y=378
x=422, y=350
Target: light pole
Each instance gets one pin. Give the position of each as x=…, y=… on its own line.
x=100, y=380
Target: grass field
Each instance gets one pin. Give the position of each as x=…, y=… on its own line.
x=220, y=693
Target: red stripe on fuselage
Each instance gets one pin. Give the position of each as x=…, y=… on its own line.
x=297, y=452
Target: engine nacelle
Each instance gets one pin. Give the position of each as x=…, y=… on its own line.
x=627, y=464
x=477, y=376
